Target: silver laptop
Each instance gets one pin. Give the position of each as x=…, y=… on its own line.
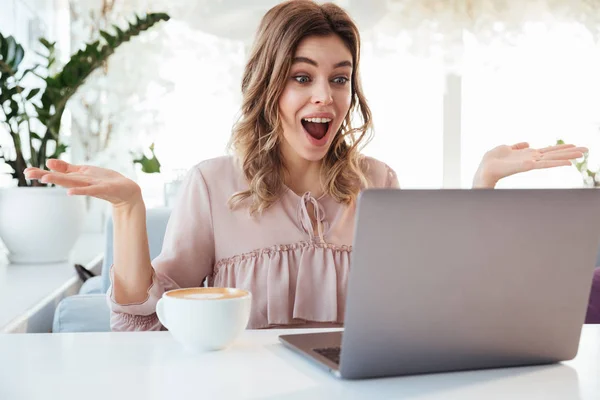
x=449, y=280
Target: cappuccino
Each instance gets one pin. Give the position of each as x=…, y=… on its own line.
x=207, y=293
x=205, y=318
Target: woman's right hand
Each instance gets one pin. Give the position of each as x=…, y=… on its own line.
x=87, y=180
x=132, y=269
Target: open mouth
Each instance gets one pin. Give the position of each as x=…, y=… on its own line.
x=316, y=127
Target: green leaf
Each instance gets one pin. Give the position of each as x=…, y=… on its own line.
x=120, y=33
x=43, y=113
x=32, y=93
x=34, y=156
x=110, y=40
x=49, y=97
x=11, y=56
x=60, y=149
x=34, y=135
x=13, y=109
x=149, y=165
x=52, y=82
x=12, y=164
x=18, y=57
x=2, y=46
x=69, y=78
x=47, y=44
x=11, y=50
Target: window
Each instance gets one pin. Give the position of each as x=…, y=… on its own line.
x=545, y=88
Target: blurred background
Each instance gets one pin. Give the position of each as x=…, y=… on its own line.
x=446, y=81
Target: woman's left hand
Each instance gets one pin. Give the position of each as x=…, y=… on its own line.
x=504, y=161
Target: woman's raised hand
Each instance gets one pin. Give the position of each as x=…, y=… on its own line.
x=503, y=161
x=87, y=180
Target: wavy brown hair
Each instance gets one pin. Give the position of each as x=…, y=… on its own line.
x=257, y=135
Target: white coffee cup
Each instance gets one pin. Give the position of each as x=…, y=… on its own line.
x=205, y=319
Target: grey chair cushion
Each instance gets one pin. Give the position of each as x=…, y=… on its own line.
x=92, y=285
x=82, y=313
x=88, y=311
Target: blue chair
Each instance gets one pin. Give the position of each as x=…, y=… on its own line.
x=88, y=310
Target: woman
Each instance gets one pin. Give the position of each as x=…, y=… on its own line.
x=277, y=218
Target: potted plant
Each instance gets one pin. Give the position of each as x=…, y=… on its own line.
x=39, y=223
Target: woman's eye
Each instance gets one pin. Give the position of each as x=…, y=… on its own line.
x=302, y=79
x=341, y=80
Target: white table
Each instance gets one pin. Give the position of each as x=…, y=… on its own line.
x=151, y=365
x=29, y=293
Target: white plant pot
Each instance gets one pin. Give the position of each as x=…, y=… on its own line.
x=40, y=224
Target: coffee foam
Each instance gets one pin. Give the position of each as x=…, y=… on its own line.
x=203, y=296
x=207, y=293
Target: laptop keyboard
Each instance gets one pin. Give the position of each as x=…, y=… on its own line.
x=331, y=353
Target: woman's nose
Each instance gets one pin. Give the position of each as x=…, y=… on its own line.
x=322, y=94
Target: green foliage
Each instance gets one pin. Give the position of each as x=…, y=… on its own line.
x=49, y=100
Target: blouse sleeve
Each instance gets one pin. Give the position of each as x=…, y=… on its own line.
x=392, y=179
x=186, y=259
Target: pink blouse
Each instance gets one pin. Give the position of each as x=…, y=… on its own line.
x=297, y=274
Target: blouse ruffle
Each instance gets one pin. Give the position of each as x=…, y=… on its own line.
x=304, y=283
